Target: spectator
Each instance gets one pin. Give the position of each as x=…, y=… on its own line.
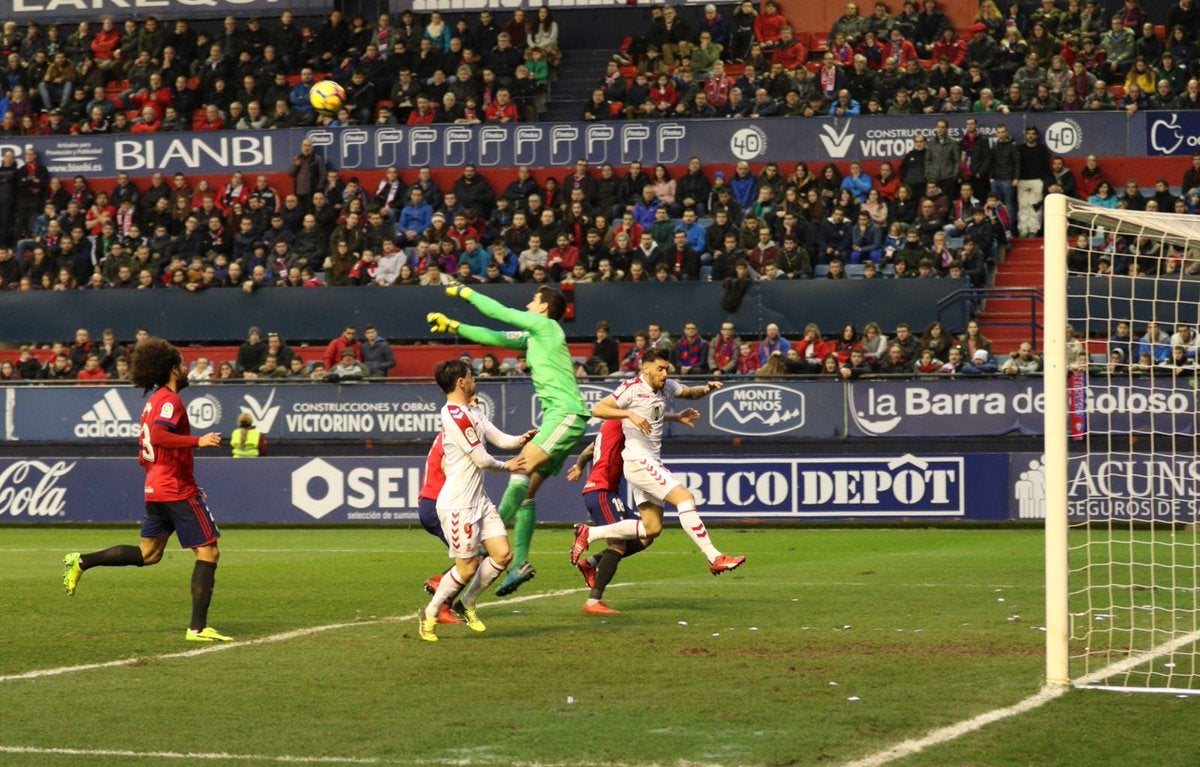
x=771, y=343
x=936, y=340
x=1155, y=342
x=91, y=371
x=1033, y=165
x=631, y=362
x=894, y=362
x=942, y=157
x=347, y=341
x=59, y=368
x=348, y=369
x=253, y=351
x=376, y=353
x=308, y=168
x=606, y=347
x=834, y=237
x=1022, y=362
x=856, y=365
x=691, y=352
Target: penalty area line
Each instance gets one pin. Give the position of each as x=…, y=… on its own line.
x=209, y=757
x=270, y=639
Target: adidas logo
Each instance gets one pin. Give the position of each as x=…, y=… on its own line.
x=107, y=418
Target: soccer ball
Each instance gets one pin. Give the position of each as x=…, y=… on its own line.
x=327, y=96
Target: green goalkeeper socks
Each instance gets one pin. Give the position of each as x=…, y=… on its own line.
x=526, y=516
x=514, y=494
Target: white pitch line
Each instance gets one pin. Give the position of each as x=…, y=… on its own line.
x=946, y=734
x=210, y=757
x=271, y=639
x=1044, y=696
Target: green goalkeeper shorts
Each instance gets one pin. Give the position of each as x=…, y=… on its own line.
x=558, y=435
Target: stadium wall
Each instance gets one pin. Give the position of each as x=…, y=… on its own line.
x=399, y=312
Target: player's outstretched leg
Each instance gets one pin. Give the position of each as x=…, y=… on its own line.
x=523, y=538
x=690, y=520
x=586, y=535
x=74, y=564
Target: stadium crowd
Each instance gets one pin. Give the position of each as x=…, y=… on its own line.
x=849, y=354
x=1028, y=57
x=944, y=209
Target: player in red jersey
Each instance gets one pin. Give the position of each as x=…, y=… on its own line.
x=602, y=497
x=174, y=503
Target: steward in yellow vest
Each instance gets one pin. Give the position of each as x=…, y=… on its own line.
x=247, y=441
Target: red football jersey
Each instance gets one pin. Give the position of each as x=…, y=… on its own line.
x=168, y=469
x=607, y=464
x=435, y=475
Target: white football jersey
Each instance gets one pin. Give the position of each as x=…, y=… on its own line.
x=637, y=396
x=463, y=430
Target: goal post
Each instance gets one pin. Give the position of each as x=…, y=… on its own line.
x=1054, y=376
x=1122, y=448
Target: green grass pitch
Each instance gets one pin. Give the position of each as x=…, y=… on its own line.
x=829, y=646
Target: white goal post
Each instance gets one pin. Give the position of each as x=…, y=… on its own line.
x=1122, y=448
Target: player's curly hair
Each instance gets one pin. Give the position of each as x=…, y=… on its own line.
x=152, y=363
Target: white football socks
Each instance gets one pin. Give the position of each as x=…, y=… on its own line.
x=625, y=530
x=449, y=586
x=486, y=574
x=689, y=518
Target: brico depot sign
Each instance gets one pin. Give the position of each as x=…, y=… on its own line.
x=822, y=487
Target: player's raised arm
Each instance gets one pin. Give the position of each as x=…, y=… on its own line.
x=518, y=318
x=608, y=410
x=440, y=323
x=696, y=392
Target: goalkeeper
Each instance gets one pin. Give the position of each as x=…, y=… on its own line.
x=564, y=412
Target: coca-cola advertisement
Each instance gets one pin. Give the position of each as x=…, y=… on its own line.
x=70, y=490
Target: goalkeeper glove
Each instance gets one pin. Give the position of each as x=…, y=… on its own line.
x=440, y=323
x=459, y=291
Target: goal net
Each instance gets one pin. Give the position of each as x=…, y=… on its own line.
x=1122, y=296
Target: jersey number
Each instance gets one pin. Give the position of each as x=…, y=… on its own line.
x=469, y=529
x=147, y=448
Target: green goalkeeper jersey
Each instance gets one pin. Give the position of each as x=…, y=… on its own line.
x=546, y=352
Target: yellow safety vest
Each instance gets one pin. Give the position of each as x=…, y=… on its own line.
x=250, y=449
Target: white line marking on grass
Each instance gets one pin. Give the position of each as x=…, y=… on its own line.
x=211, y=757
x=271, y=639
x=1044, y=696
x=946, y=734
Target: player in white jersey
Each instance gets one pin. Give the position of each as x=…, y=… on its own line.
x=642, y=402
x=468, y=518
